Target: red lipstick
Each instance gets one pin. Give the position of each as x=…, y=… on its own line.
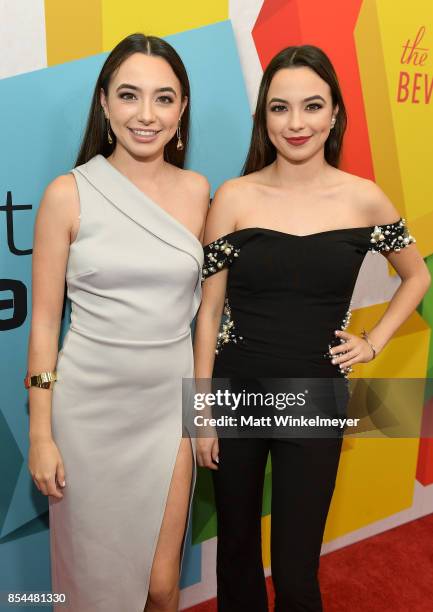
x=298, y=140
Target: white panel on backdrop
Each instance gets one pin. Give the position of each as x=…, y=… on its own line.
x=22, y=37
x=374, y=284
x=243, y=15
x=206, y=588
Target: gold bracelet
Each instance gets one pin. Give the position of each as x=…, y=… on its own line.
x=44, y=380
x=364, y=334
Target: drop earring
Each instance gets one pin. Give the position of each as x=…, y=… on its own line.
x=109, y=136
x=332, y=123
x=179, y=145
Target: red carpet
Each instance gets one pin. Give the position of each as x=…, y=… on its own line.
x=392, y=571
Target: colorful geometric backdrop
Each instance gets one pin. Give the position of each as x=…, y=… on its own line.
x=50, y=55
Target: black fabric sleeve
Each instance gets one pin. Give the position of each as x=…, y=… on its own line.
x=218, y=255
x=390, y=237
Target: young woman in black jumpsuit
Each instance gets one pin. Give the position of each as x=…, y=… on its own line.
x=285, y=243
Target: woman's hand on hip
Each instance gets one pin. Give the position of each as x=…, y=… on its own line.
x=353, y=350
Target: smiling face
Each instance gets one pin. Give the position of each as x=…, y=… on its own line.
x=299, y=113
x=144, y=105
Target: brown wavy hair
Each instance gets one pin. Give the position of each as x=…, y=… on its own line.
x=95, y=137
x=262, y=152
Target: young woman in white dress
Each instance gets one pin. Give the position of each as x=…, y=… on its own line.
x=106, y=443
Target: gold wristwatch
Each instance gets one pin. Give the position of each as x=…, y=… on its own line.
x=44, y=380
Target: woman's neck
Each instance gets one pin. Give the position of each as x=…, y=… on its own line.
x=138, y=169
x=313, y=172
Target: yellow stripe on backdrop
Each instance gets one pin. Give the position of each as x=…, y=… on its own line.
x=158, y=19
x=410, y=76
x=406, y=354
x=82, y=28
x=73, y=30
x=377, y=102
x=266, y=540
x=395, y=49
x=376, y=479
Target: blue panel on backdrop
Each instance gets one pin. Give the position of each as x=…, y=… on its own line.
x=25, y=562
x=191, y=569
x=47, y=112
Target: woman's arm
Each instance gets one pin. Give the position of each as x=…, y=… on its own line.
x=415, y=278
x=52, y=236
x=415, y=281
x=221, y=220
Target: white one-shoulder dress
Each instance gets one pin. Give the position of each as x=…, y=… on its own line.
x=133, y=277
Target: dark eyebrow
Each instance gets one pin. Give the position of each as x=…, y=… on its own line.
x=135, y=88
x=127, y=85
x=317, y=97
x=169, y=89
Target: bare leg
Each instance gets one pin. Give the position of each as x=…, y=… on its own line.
x=164, y=580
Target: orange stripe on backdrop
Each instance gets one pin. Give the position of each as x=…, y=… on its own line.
x=73, y=30
x=329, y=25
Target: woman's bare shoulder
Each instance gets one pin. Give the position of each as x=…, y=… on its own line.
x=192, y=180
x=60, y=206
x=372, y=202
x=236, y=188
x=61, y=189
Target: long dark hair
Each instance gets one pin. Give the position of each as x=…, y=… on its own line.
x=262, y=152
x=95, y=137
